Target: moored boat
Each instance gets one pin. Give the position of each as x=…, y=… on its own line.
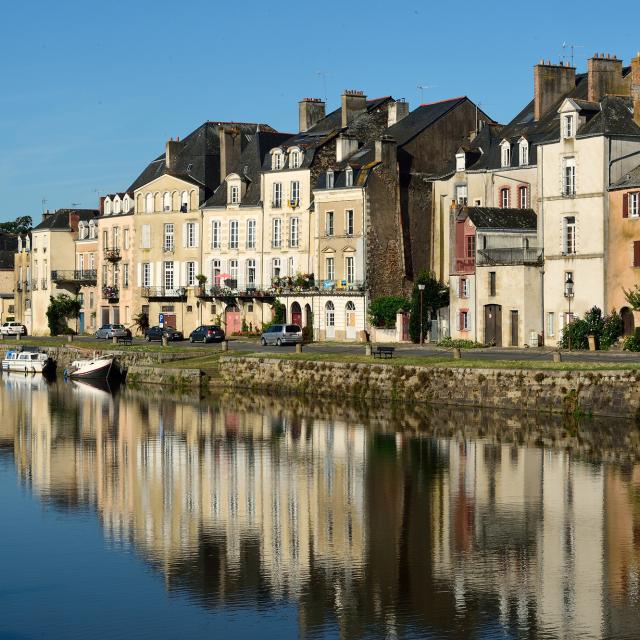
x=28, y=360
x=94, y=369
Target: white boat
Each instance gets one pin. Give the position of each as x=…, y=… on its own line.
x=93, y=369
x=27, y=361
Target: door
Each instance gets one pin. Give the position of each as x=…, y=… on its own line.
x=81, y=322
x=296, y=314
x=116, y=315
x=493, y=325
x=170, y=320
x=330, y=320
x=232, y=320
x=628, y=322
x=514, y=328
x=350, y=320
x=104, y=316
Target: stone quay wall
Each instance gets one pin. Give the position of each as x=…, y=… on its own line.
x=613, y=393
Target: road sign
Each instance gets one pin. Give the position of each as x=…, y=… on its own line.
x=161, y=319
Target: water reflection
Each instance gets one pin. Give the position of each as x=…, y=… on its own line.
x=373, y=523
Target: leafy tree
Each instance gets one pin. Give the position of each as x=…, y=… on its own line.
x=434, y=297
x=279, y=311
x=61, y=308
x=606, y=330
x=141, y=322
x=22, y=224
x=383, y=310
x=633, y=297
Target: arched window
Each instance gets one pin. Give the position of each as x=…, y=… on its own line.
x=93, y=231
x=148, y=206
x=350, y=306
x=166, y=201
x=330, y=312
x=126, y=204
x=184, y=202
x=107, y=207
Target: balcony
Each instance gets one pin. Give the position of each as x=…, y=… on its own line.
x=78, y=276
x=110, y=293
x=34, y=285
x=465, y=265
x=510, y=256
x=112, y=255
x=163, y=293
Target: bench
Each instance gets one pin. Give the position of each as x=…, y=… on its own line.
x=126, y=340
x=383, y=352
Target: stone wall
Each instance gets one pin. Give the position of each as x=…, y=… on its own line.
x=606, y=393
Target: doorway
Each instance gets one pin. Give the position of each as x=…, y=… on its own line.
x=81, y=323
x=296, y=314
x=308, y=316
x=628, y=322
x=350, y=320
x=233, y=323
x=493, y=325
x=330, y=317
x=514, y=328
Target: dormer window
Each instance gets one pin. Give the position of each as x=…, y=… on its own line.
x=82, y=231
x=93, y=231
x=184, y=202
x=116, y=205
x=126, y=204
x=107, y=207
x=568, y=126
x=276, y=160
x=524, y=152
x=294, y=159
x=505, y=154
x=148, y=203
x=166, y=201
x=234, y=194
x=348, y=177
x=330, y=180
x=460, y=162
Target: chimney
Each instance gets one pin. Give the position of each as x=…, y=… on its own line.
x=311, y=111
x=46, y=215
x=345, y=146
x=397, y=110
x=635, y=87
x=604, y=76
x=101, y=205
x=550, y=83
x=353, y=104
x=230, y=150
x=171, y=153
x=386, y=152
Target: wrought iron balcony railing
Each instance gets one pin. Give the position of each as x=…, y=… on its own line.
x=164, y=292
x=510, y=256
x=112, y=255
x=81, y=276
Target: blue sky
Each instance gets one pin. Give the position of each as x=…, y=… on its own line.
x=92, y=90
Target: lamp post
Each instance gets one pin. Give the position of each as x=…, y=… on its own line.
x=568, y=294
x=421, y=288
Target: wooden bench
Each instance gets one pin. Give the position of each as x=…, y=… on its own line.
x=126, y=340
x=383, y=352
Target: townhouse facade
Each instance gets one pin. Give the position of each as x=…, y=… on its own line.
x=8, y=248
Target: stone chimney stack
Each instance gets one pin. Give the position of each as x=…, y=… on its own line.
x=550, y=83
x=171, y=153
x=353, y=104
x=386, y=152
x=635, y=87
x=604, y=76
x=311, y=111
x=230, y=149
x=346, y=145
x=397, y=110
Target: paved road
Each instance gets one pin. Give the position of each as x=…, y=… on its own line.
x=513, y=354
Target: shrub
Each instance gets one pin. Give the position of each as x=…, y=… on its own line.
x=606, y=330
x=383, y=310
x=450, y=343
x=307, y=334
x=279, y=311
x=434, y=297
x=612, y=329
x=61, y=308
x=632, y=343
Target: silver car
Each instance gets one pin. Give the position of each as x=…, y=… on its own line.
x=281, y=334
x=108, y=331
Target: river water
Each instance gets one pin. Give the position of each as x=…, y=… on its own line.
x=142, y=515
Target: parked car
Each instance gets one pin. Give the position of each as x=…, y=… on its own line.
x=13, y=329
x=282, y=334
x=207, y=333
x=108, y=331
x=156, y=333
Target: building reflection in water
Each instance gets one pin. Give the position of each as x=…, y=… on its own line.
x=372, y=523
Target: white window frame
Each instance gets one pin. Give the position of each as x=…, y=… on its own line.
x=276, y=267
x=330, y=268
x=350, y=269
x=216, y=229
x=166, y=201
x=234, y=194
x=184, y=202
x=569, y=176
x=568, y=126
x=523, y=202
x=276, y=160
x=349, y=222
x=294, y=159
x=294, y=232
x=505, y=197
x=461, y=162
x=505, y=154
x=276, y=202
x=551, y=324
x=524, y=153
x=465, y=325
x=234, y=227
x=191, y=273
x=276, y=233
x=461, y=194
x=233, y=269
x=251, y=271
x=251, y=234
x=569, y=235
x=348, y=177
x=168, y=275
x=329, y=223
x=169, y=237
x=634, y=204
x=148, y=203
x=330, y=179
x=295, y=193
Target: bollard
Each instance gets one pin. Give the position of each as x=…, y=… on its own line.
x=367, y=349
x=165, y=341
x=299, y=347
x=557, y=356
x=18, y=336
x=1, y=336
x=114, y=339
x=457, y=355
x=592, y=342
x=69, y=338
x=225, y=345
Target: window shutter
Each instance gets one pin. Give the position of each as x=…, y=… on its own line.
x=636, y=253
x=139, y=276
x=197, y=235
x=184, y=235
x=458, y=318
x=625, y=205
x=460, y=288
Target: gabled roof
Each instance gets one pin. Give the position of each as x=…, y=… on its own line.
x=495, y=219
x=614, y=117
x=59, y=220
x=630, y=180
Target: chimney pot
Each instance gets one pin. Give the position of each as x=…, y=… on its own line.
x=310, y=112
x=353, y=104
x=550, y=83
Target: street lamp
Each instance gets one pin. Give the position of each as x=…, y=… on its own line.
x=421, y=288
x=568, y=294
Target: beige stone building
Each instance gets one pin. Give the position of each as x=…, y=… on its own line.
x=8, y=247
x=85, y=274
x=22, y=281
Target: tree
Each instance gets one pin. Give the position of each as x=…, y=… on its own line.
x=61, y=308
x=21, y=224
x=633, y=297
x=279, y=311
x=141, y=322
x=383, y=310
x=434, y=297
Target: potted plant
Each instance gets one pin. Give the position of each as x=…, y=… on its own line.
x=202, y=279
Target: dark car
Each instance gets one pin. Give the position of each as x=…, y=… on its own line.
x=207, y=333
x=157, y=333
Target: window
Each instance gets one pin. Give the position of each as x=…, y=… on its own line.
x=276, y=160
x=251, y=273
x=505, y=155
x=348, y=177
x=105, y=239
x=551, y=323
x=126, y=204
x=276, y=233
x=93, y=230
x=568, y=128
x=166, y=201
x=145, y=236
x=277, y=195
x=168, y=275
x=295, y=193
x=460, y=162
x=191, y=274
x=569, y=235
x=275, y=267
x=116, y=237
x=215, y=234
x=464, y=322
x=492, y=283
x=330, y=314
x=116, y=275
x=116, y=206
x=148, y=203
x=294, y=227
x=125, y=275
x=216, y=270
x=233, y=270
x=348, y=222
x=636, y=253
x=631, y=205
x=107, y=207
x=126, y=238
x=294, y=159
x=523, y=197
x=350, y=269
x=504, y=197
x=569, y=176
x=290, y=267
x=330, y=179
x=251, y=234
x=471, y=247
x=328, y=227
x=330, y=263
x=233, y=234
x=461, y=194
x=169, y=244
x=184, y=202
x=524, y=153
x=464, y=288
x=234, y=194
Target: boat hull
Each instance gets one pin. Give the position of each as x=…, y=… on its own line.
x=98, y=370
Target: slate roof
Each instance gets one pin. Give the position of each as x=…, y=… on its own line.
x=496, y=219
x=197, y=159
x=630, y=180
x=614, y=117
x=59, y=220
x=249, y=168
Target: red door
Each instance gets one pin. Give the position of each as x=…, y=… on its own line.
x=170, y=320
x=232, y=320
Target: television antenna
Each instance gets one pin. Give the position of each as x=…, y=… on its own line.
x=571, y=46
x=422, y=87
x=44, y=202
x=323, y=75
